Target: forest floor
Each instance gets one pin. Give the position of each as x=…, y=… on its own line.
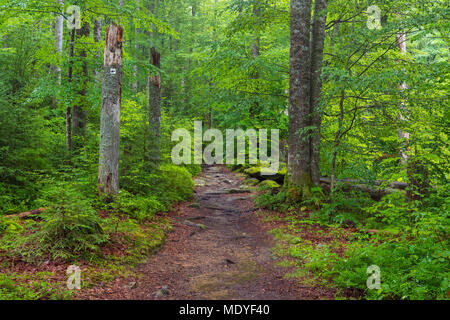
x=219, y=248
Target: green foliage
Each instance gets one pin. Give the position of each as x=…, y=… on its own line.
x=138, y=207
x=266, y=199
x=345, y=207
x=70, y=227
x=9, y=226
x=176, y=183
x=30, y=290
x=194, y=169
x=410, y=247
x=409, y=269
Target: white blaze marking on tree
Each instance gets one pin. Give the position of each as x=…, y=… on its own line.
x=113, y=71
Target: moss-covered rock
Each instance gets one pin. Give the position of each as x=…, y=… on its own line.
x=253, y=172
x=269, y=183
x=264, y=173
x=251, y=181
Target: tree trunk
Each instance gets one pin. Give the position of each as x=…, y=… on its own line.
x=255, y=47
x=136, y=50
x=337, y=142
x=401, y=44
x=108, y=175
x=416, y=171
x=299, y=157
x=97, y=38
x=59, y=34
x=69, y=79
x=317, y=45
x=154, y=102
x=79, y=113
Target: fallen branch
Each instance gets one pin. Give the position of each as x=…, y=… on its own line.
x=25, y=215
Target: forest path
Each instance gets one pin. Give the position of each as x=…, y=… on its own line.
x=229, y=258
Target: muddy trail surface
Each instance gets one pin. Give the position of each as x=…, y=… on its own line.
x=218, y=249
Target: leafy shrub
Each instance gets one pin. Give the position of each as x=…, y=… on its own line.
x=175, y=184
x=70, y=226
x=391, y=210
x=9, y=226
x=138, y=207
x=346, y=206
x=266, y=199
x=194, y=169
x=409, y=270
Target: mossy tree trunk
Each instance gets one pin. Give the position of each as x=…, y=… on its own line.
x=299, y=154
x=306, y=54
x=317, y=45
x=108, y=175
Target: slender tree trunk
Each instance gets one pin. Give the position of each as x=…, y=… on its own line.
x=59, y=34
x=299, y=157
x=255, y=47
x=79, y=113
x=97, y=38
x=401, y=44
x=136, y=50
x=69, y=78
x=317, y=45
x=337, y=142
x=416, y=171
x=108, y=175
x=154, y=102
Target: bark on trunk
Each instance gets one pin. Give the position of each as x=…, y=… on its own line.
x=317, y=45
x=337, y=142
x=299, y=157
x=136, y=50
x=79, y=113
x=59, y=34
x=154, y=102
x=416, y=171
x=69, y=79
x=108, y=175
x=255, y=47
x=97, y=38
x=401, y=44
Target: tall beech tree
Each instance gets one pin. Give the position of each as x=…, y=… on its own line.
x=108, y=172
x=317, y=46
x=305, y=60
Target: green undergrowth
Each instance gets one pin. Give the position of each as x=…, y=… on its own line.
x=333, y=245
x=106, y=239
x=26, y=286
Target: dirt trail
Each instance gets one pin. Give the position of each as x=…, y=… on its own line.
x=230, y=258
